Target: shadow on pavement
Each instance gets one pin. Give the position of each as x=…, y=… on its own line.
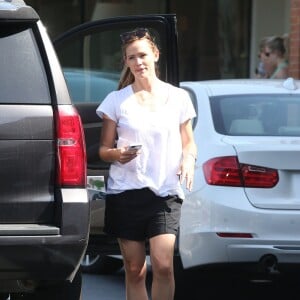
x=197, y=284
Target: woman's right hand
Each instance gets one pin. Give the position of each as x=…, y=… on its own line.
x=126, y=154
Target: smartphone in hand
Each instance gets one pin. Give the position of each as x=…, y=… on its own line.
x=135, y=147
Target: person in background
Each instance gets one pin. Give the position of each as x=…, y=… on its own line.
x=260, y=69
x=144, y=187
x=274, y=58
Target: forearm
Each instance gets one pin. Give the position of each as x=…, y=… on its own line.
x=109, y=154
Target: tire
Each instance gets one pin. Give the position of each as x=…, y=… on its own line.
x=60, y=291
x=98, y=196
x=100, y=264
x=4, y=296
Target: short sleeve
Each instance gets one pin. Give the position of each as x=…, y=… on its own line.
x=108, y=107
x=188, y=110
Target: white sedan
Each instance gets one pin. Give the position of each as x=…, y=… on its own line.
x=245, y=205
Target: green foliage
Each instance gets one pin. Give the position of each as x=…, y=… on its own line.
x=96, y=183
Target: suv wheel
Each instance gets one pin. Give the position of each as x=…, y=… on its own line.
x=60, y=291
x=100, y=264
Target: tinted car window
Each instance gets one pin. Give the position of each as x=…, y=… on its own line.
x=264, y=115
x=20, y=69
x=90, y=86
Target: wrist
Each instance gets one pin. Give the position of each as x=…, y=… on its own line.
x=191, y=155
x=116, y=154
x=111, y=155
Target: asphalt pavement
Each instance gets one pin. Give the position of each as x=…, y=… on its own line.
x=195, y=285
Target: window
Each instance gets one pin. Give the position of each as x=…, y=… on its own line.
x=19, y=69
x=214, y=38
x=261, y=115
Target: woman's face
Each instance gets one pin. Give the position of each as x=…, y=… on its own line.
x=141, y=57
x=269, y=60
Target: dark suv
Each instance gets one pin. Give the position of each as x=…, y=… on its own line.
x=44, y=207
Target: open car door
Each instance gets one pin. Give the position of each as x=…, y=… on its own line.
x=90, y=55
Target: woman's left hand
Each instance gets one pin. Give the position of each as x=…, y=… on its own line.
x=186, y=171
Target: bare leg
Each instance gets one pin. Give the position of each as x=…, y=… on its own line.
x=134, y=257
x=161, y=253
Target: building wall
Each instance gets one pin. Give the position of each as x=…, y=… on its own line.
x=217, y=38
x=294, y=49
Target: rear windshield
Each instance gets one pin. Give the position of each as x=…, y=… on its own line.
x=22, y=74
x=263, y=115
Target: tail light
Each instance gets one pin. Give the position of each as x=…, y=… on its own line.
x=227, y=171
x=71, y=147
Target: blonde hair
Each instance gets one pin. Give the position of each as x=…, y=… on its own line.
x=278, y=44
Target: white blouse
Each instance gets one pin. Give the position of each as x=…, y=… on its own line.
x=158, y=131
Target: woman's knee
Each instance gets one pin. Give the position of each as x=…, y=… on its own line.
x=162, y=269
x=135, y=270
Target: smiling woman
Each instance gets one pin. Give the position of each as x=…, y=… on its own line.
x=144, y=188
x=90, y=55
